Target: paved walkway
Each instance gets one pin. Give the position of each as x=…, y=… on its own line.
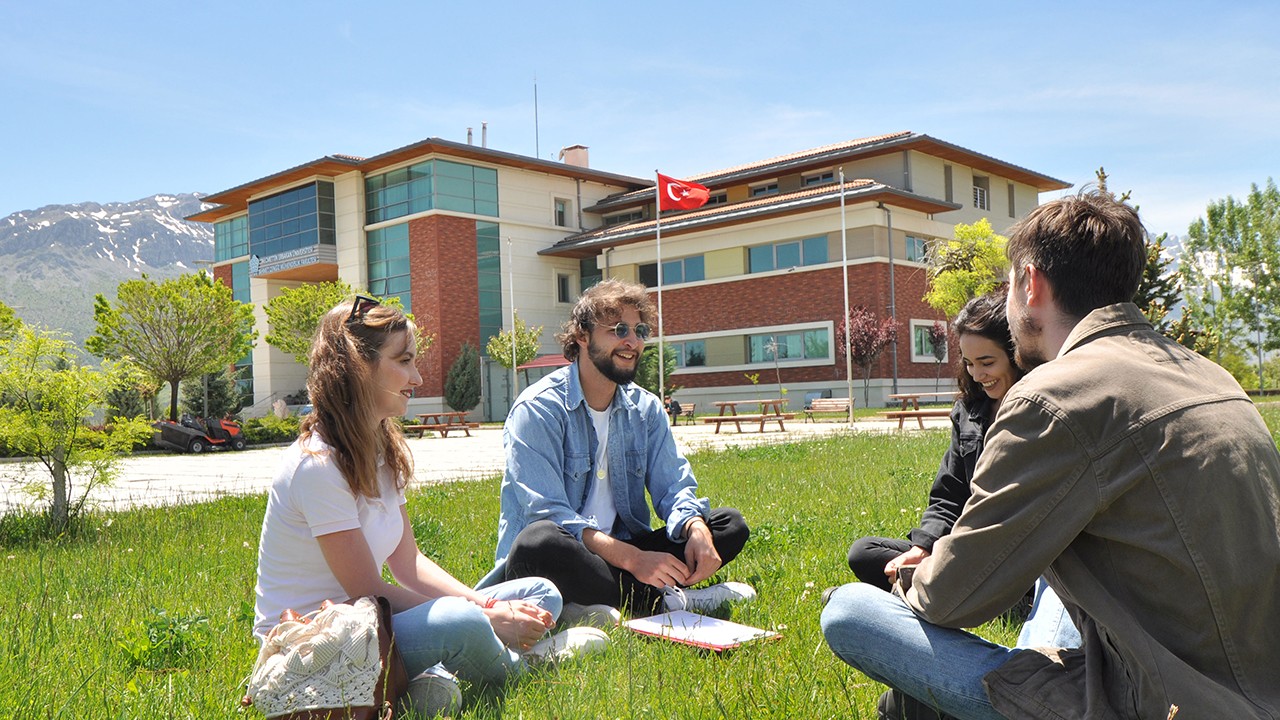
x=164, y=479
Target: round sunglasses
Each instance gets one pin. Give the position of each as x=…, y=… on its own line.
x=622, y=330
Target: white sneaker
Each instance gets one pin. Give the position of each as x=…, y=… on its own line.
x=600, y=616
x=707, y=599
x=567, y=644
x=433, y=693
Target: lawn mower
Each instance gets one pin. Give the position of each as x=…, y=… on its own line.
x=192, y=434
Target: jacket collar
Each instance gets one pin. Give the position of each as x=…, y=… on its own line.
x=1106, y=320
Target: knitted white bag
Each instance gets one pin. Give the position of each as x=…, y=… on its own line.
x=329, y=659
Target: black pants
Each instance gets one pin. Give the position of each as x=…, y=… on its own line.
x=547, y=550
x=869, y=555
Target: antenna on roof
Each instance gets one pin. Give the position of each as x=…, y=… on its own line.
x=537, y=150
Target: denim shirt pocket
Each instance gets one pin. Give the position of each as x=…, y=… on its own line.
x=577, y=472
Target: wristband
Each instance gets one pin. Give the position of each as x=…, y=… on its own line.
x=490, y=602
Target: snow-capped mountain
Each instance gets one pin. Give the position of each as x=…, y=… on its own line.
x=56, y=258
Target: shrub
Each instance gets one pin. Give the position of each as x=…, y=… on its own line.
x=462, y=385
x=270, y=429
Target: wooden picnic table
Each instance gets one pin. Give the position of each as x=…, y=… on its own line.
x=442, y=422
x=913, y=398
x=914, y=411
x=771, y=410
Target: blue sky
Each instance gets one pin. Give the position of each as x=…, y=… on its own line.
x=116, y=101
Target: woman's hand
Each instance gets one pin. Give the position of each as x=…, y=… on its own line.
x=910, y=557
x=518, y=624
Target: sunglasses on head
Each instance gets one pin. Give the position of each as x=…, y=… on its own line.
x=622, y=330
x=361, y=307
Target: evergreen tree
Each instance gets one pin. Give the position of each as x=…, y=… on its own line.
x=462, y=384
x=223, y=395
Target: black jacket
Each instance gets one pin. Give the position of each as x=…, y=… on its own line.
x=951, y=489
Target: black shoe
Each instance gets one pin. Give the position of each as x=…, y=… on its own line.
x=896, y=705
x=826, y=594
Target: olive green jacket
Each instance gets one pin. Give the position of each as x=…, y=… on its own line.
x=1139, y=479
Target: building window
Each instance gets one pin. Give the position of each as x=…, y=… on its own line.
x=231, y=239
x=803, y=345
x=1012, y=213
x=589, y=273
x=719, y=198
x=240, y=282
x=981, y=193
x=489, y=279
x=917, y=248
x=431, y=185
x=564, y=288
x=690, y=269
x=783, y=255
x=388, y=255
x=922, y=346
x=647, y=274
x=819, y=179
x=690, y=353
x=766, y=189
x=291, y=220
x=621, y=218
x=562, y=212
x=946, y=182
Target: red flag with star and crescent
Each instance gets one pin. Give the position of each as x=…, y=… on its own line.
x=676, y=194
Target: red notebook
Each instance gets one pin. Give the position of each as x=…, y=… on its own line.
x=701, y=631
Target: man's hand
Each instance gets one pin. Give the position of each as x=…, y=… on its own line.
x=659, y=569
x=910, y=557
x=518, y=624
x=700, y=551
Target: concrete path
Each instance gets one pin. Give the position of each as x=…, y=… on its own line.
x=165, y=479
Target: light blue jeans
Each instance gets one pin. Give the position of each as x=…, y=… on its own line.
x=875, y=632
x=456, y=634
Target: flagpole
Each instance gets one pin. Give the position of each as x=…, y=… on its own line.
x=657, y=228
x=511, y=282
x=844, y=265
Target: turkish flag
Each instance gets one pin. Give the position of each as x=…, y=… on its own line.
x=676, y=194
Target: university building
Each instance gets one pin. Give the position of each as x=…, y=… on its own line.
x=752, y=282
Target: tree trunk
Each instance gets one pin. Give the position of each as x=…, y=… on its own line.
x=866, y=386
x=59, y=511
x=173, y=400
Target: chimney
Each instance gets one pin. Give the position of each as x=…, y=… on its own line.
x=575, y=155
x=468, y=136
x=484, y=134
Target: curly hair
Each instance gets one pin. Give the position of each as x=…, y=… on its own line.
x=983, y=316
x=343, y=356
x=603, y=301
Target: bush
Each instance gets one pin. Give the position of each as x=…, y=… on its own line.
x=270, y=429
x=462, y=385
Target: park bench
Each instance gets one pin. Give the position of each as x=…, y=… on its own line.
x=919, y=415
x=826, y=405
x=686, y=411
x=737, y=420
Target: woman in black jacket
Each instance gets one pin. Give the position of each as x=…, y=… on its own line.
x=986, y=373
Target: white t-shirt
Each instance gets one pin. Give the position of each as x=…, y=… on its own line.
x=309, y=498
x=599, y=502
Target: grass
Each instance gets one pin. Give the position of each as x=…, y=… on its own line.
x=147, y=613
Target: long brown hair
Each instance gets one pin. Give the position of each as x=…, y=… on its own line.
x=343, y=355
x=983, y=316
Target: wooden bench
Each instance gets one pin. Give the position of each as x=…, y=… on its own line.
x=686, y=411
x=737, y=420
x=919, y=415
x=826, y=405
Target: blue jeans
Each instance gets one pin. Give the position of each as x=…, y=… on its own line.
x=456, y=634
x=875, y=632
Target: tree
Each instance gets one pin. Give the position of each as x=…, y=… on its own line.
x=937, y=333
x=218, y=391
x=647, y=370
x=1226, y=269
x=1160, y=288
x=972, y=264
x=174, y=330
x=133, y=394
x=867, y=337
x=526, y=346
x=294, y=315
x=49, y=396
x=462, y=384
x=9, y=323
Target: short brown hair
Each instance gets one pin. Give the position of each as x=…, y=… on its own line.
x=603, y=301
x=1091, y=247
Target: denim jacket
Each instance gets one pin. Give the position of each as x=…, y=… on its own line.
x=551, y=447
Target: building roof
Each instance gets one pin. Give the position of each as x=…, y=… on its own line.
x=236, y=200
x=591, y=242
x=828, y=155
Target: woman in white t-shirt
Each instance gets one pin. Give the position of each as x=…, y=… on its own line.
x=336, y=516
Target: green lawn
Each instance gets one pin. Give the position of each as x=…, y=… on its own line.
x=75, y=614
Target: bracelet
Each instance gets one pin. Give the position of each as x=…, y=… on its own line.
x=490, y=602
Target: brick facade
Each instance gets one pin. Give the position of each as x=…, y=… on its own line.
x=796, y=298
x=445, y=290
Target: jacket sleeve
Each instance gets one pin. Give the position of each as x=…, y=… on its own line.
x=534, y=480
x=670, y=480
x=1031, y=498
x=950, y=489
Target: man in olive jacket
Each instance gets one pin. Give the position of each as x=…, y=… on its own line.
x=1135, y=475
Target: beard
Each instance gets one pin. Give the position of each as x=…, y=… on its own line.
x=603, y=360
x=1026, y=332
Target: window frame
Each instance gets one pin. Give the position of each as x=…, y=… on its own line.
x=919, y=332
